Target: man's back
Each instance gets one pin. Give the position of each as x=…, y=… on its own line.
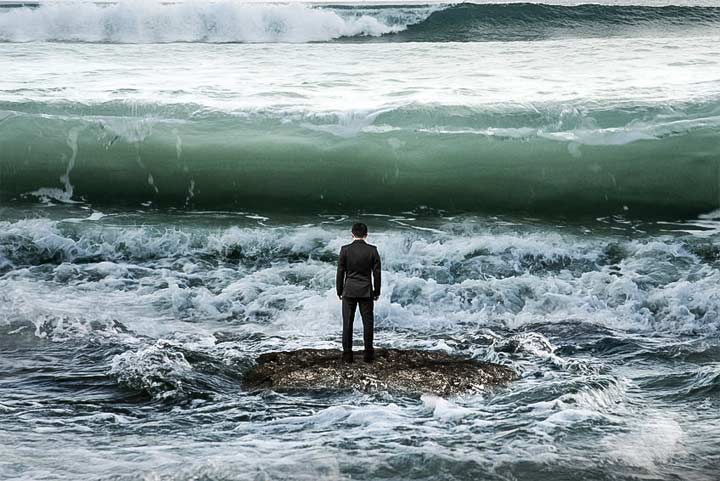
x=358, y=284
x=358, y=270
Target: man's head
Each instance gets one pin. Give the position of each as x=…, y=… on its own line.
x=359, y=230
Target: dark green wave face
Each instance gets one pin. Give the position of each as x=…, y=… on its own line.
x=537, y=162
x=531, y=127
x=536, y=21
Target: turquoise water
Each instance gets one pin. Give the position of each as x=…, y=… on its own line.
x=177, y=179
x=542, y=109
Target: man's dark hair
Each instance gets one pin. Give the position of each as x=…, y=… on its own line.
x=359, y=229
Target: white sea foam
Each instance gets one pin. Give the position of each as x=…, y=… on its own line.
x=216, y=22
x=156, y=369
x=444, y=409
x=280, y=280
x=654, y=440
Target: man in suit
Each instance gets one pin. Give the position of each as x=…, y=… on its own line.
x=358, y=284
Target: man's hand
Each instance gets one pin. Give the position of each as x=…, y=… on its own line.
x=339, y=298
x=375, y=298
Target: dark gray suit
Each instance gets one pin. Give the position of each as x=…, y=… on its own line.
x=357, y=282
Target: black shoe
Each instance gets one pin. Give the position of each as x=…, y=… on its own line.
x=369, y=356
x=347, y=357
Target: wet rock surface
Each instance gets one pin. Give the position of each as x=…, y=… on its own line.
x=393, y=370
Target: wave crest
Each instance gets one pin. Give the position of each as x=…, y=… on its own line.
x=170, y=371
x=234, y=21
x=151, y=22
x=595, y=162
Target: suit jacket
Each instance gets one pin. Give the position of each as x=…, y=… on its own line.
x=358, y=262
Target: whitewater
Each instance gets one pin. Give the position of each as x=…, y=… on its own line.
x=541, y=179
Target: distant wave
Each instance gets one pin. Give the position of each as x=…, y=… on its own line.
x=639, y=160
x=235, y=22
x=536, y=21
x=217, y=22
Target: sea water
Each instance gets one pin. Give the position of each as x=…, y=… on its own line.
x=176, y=180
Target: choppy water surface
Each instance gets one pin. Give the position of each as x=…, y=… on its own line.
x=542, y=181
x=124, y=335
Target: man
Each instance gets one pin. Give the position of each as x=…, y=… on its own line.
x=358, y=262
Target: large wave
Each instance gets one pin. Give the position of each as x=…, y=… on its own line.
x=536, y=21
x=233, y=21
x=217, y=22
x=661, y=160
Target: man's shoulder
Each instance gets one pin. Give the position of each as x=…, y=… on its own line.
x=359, y=245
x=373, y=250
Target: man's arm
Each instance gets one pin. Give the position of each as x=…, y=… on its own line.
x=376, y=274
x=341, y=269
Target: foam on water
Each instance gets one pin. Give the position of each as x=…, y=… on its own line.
x=233, y=21
x=131, y=307
x=216, y=22
x=150, y=279
x=155, y=369
x=654, y=441
x=444, y=409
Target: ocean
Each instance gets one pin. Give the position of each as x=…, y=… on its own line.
x=176, y=180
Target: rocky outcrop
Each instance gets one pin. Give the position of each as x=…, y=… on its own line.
x=394, y=370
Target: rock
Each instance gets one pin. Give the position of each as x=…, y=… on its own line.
x=394, y=370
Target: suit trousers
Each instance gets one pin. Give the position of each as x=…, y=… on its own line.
x=349, y=305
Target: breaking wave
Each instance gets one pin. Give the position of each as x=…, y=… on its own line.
x=217, y=22
x=146, y=280
x=168, y=370
x=232, y=21
x=469, y=22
